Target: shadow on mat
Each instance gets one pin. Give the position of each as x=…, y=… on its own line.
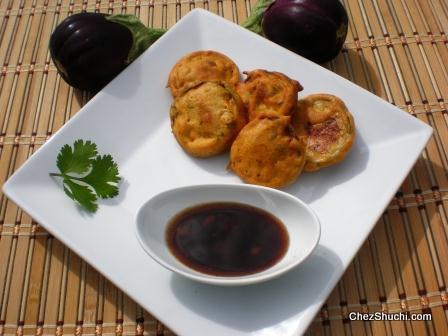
x=413, y=229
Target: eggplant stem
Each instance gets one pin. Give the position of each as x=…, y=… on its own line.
x=253, y=21
x=143, y=37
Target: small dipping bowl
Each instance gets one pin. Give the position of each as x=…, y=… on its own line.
x=301, y=223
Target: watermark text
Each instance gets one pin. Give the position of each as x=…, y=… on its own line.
x=382, y=316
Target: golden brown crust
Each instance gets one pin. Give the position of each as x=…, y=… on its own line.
x=266, y=152
x=207, y=118
x=330, y=128
x=200, y=66
x=268, y=93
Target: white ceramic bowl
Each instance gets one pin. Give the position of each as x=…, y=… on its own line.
x=300, y=221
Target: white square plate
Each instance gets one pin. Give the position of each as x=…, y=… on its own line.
x=129, y=119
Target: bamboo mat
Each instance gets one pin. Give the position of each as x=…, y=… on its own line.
x=397, y=49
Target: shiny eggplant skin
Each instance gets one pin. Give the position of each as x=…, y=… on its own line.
x=315, y=29
x=89, y=51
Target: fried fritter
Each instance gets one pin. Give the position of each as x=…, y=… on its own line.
x=268, y=153
x=207, y=118
x=330, y=128
x=268, y=93
x=201, y=66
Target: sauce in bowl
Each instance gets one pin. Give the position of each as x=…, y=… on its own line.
x=227, y=238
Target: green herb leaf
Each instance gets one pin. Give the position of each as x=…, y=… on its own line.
x=91, y=175
x=81, y=194
x=76, y=160
x=103, y=177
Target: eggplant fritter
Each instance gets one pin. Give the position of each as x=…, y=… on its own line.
x=268, y=93
x=201, y=66
x=329, y=126
x=207, y=118
x=268, y=153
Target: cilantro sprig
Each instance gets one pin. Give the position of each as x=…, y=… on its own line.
x=86, y=175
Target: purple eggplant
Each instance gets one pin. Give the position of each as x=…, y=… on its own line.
x=90, y=49
x=315, y=29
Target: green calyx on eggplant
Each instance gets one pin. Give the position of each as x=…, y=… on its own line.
x=90, y=49
x=314, y=29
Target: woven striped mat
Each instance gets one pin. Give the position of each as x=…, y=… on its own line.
x=397, y=49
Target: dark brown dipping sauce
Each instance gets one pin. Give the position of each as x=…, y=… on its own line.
x=227, y=239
